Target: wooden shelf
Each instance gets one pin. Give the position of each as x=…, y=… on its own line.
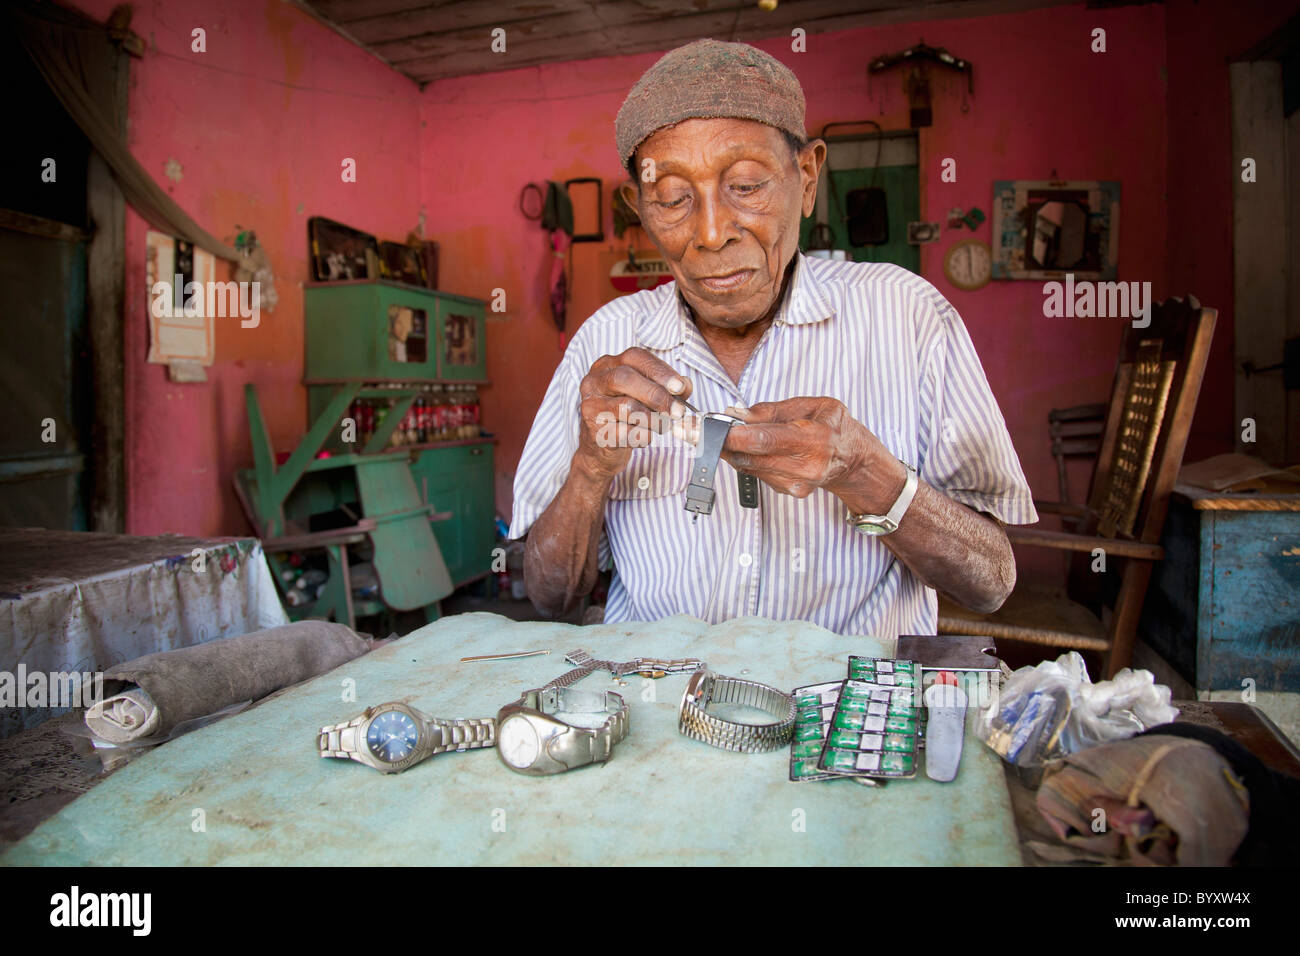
x=407, y=286
x=351, y=458
x=405, y=382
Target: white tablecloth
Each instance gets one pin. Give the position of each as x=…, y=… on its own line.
x=77, y=602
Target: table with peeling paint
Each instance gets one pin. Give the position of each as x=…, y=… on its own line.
x=251, y=790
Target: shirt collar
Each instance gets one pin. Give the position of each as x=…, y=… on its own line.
x=664, y=326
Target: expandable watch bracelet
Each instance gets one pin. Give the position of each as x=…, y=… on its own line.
x=392, y=737
x=705, y=688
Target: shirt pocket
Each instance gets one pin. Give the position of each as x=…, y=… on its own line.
x=653, y=472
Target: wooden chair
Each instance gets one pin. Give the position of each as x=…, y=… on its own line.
x=1076, y=433
x=1157, y=381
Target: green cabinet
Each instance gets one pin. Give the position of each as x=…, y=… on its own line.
x=373, y=345
x=379, y=330
x=457, y=482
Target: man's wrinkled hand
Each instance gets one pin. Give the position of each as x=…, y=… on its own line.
x=625, y=399
x=801, y=444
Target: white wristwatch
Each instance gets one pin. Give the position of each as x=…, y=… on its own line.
x=877, y=525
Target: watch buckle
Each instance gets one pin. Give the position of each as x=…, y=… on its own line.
x=699, y=500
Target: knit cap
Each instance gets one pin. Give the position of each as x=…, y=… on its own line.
x=710, y=79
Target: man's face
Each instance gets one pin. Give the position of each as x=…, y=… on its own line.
x=724, y=210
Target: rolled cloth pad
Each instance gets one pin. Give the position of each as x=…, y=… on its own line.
x=1166, y=800
x=196, y=681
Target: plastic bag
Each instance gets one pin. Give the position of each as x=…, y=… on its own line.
x=1054, y=708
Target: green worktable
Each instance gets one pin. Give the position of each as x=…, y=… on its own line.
x=268, y=799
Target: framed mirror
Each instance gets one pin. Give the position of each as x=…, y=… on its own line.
x=588, y=216
x=1047, y=229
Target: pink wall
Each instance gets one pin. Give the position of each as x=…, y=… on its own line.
x=1043, y=102
x=1201, y=38
x=259, y=124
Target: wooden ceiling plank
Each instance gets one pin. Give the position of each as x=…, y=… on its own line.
x=657, y=33
x=437, y=39
x=717, y=23
x=469, y=16
x=343, y=12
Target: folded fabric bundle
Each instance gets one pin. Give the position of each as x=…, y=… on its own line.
x=123, y=717
x=1162, y=800
x=146, y=698
x=1274, y=835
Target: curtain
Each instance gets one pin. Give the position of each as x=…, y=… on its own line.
x=73, y=55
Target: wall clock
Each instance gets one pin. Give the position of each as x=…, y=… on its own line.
x=968, y=264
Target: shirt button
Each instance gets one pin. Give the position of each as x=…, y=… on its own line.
x=643, y=482
x=746, y=560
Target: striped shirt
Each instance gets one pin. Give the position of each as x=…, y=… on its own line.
x=877, y=337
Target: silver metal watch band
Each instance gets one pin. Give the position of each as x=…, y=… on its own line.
x=468, y=734
x=707, y=688
x=339, y=740
x=645, y=666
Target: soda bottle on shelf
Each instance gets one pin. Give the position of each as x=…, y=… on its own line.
x=397, y=435
x=366, y=426
x=458, y=404
x=413, y=423
x=379, y=410
x=421, y=415
x=437, y=413
x=475, y=413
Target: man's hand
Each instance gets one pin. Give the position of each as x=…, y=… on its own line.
x=625, y=398
x=802, y=444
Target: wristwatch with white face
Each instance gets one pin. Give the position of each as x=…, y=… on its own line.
x=877, y=525
x=533, y=739
x=392, y=737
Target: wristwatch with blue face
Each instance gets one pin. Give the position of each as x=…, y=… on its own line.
x=392, y=737
x=876, y=525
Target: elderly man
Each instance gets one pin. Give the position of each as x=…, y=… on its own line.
x=861, y=393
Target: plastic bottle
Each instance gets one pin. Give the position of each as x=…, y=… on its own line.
x=475, y=413
x=439, y=410
x=413, y=423
x=459, y=406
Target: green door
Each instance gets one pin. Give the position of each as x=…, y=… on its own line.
x=852, y=167
x=44, y=385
